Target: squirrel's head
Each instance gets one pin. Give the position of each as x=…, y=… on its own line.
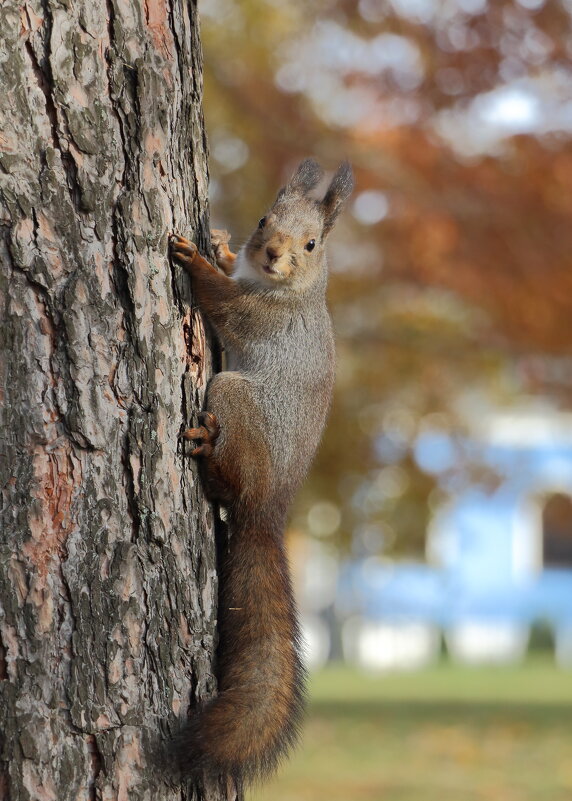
x=287, y=247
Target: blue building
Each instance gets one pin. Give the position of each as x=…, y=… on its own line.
x=498, y=561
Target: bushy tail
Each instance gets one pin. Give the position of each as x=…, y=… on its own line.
x=254, y=720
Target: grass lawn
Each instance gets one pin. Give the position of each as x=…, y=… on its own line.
x=446, y=734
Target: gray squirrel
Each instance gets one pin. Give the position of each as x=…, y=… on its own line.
x=265, y=416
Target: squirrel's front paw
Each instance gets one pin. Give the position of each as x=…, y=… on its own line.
x=219, y=238
x=224, y=257
x=182, y=250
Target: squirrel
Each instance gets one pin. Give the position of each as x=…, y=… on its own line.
x=264, y=419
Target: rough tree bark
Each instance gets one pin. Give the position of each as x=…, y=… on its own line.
x=107, y=569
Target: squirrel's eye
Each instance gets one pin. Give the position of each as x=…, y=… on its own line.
x=262, y=222
x=311, y=244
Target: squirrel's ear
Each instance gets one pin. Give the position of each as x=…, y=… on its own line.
x=338, y=192
x=306, y=177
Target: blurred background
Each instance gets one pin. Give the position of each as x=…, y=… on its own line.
x=433, y=542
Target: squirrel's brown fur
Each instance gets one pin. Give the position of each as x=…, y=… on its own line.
x=264, y=421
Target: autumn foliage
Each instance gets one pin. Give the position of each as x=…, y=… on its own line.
x=456, y=116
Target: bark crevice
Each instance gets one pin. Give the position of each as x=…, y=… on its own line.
x=3, y=666
x=46, y=83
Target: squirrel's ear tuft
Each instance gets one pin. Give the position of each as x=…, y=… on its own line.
x=306, y=177
x=338, y=192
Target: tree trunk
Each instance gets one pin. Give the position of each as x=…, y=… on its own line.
x=107, y=564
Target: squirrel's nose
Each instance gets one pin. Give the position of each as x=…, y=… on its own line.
x=272, y=253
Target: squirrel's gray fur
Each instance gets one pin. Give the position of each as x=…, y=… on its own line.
x=266, y=414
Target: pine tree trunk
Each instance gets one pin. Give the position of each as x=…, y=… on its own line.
x=107, y=565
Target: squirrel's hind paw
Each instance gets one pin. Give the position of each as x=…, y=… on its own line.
x=207, y=434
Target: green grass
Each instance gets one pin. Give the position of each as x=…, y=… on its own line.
x=446, y=734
